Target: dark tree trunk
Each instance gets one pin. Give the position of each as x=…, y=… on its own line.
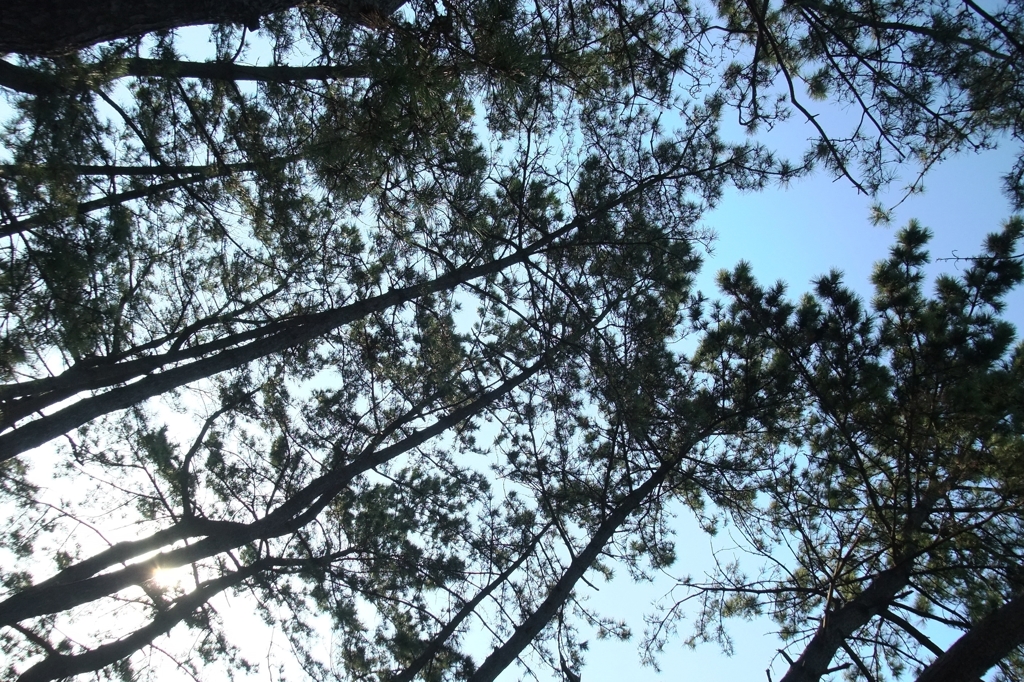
x=527, y=631
x=71, y=587
x=841, y=624
x=117, y=199
x=983, y=646
x=33, y=82
x=52, y=27
x=58, y=666
x=239, y=349
x=428, y=654
x=271, y=338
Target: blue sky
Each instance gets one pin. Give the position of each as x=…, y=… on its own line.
x=817, y=223
x=796, y=234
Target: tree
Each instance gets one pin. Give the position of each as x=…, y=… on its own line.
x=925, y=80
x=287, y=164
x=264, y=314
x=375, y=108
x=392, y=133
x=297, y=292
x=56, y=27
x=297, y=515
x=891, y=498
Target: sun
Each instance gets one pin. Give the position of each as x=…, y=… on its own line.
x=171, y=578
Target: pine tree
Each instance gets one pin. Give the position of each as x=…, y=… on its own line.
x=890, y=488
x=337, y=285
x=368, y=318
x=56, y=27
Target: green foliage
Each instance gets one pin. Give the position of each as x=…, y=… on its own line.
x=889, y=487
x=384, y=332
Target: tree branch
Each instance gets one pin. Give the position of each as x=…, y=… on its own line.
x=993, y=638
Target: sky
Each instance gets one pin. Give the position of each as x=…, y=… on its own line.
x=794, y=234
x=817, y=224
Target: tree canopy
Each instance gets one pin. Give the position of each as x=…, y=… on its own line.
x=889, y=490
x=371, y=318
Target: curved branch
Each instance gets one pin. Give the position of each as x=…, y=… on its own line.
x=504, y=655
x=467, y=609
x=118, y=198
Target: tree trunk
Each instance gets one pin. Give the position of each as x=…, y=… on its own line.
x=111, y=200
x=428, y=654
x=981, y=647
x=281, y=337
x=33, y=82
x=839, y=625
x=61, y=666
x=272, y=337
x=524, y=634
x=69, y=589
x=53, y=27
